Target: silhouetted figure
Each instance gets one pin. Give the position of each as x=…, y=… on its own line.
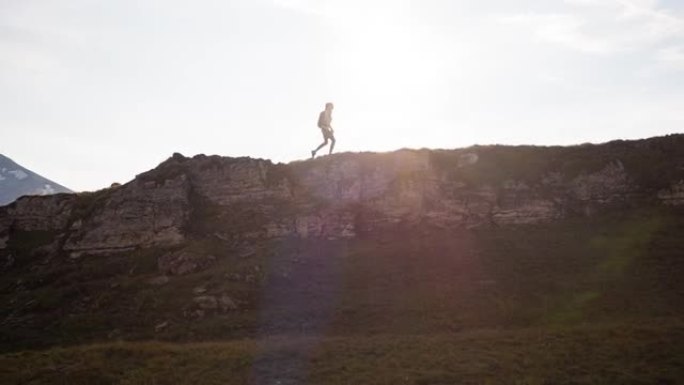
x=324, y=120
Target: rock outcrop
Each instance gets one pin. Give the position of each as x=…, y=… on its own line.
x=674, y=195
x=142, y=213
x=38, y=213
x=347, y=195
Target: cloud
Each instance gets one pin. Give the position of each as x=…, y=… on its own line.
x=303, y=6
x=603, y=26
x=672, y=57
x=566, y=84
x=350, y=10
x=564, y=29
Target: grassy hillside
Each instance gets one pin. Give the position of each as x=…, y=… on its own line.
x=584, y=300
x=611, y=354
x=617, y=268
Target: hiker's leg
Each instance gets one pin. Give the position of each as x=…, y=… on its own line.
x=321, y=146
x=332, y=145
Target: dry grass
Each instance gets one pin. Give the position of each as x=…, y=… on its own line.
x=607, y=354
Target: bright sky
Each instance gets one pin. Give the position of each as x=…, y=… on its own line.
x=95, y=91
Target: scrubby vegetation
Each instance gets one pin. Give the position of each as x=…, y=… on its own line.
x=649, y=162
x=579, y=301
x=611, y=354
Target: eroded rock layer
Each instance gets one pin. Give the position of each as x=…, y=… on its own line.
x=346, y=195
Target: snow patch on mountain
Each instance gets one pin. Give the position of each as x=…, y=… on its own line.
x=19, y=174
x=16, y=181
x=46, y=189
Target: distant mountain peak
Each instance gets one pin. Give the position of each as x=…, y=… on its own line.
x=16, y=181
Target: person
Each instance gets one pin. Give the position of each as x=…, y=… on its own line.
x=324, y=120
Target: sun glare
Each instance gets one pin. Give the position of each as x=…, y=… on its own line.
x=385, y=65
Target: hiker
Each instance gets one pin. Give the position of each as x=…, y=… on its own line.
x=324, y=120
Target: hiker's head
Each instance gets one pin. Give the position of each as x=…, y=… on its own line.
x=328, y=106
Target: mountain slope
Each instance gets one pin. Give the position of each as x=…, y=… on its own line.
x=16, y=181
x=490, y=264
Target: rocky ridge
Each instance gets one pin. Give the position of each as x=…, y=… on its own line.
x=350, y=195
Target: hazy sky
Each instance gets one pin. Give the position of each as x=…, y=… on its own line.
x=93, y=91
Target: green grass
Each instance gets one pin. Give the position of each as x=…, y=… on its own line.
x=606, y=354
x=623, y=268
x=582, y=301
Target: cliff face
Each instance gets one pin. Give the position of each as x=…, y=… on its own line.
x=347, y=195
